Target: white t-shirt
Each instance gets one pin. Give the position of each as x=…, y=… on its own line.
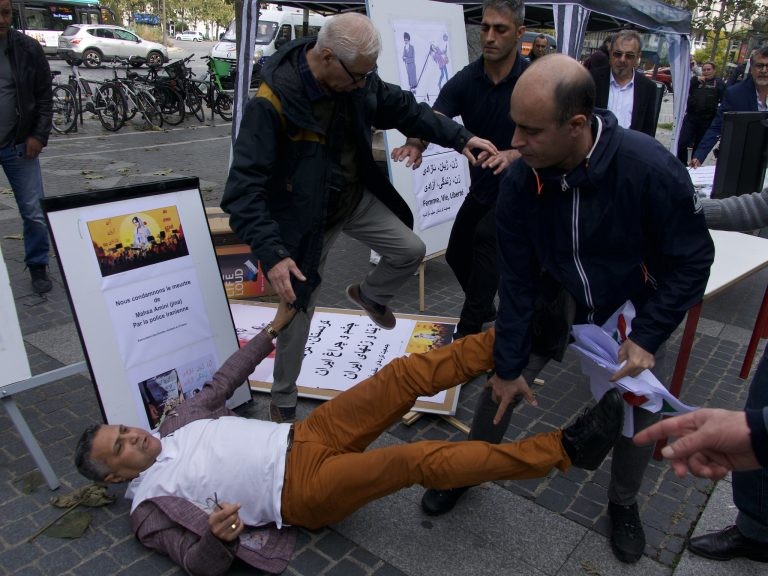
x=242, y=461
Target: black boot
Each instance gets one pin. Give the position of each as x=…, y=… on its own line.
x=41, y=283
x=436, y=502
x=588, y=440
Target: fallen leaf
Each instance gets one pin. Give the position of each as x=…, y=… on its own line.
x=73, y=525
x=29, y=482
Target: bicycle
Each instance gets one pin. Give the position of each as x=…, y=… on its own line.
x=215, y=97
x=64, y=117
x=101, y=98
x=137, y=99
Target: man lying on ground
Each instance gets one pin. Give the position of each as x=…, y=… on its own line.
x=200, y=486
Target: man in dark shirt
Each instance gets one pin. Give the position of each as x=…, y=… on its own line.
x=25, y=123
x=480, y=95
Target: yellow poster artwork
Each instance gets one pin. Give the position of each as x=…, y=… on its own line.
x=138, y=239
x=429, y=335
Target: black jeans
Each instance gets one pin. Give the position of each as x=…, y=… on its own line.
x=750, y=489
x=471, y=254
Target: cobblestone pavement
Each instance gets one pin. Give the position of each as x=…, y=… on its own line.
x=576, y=500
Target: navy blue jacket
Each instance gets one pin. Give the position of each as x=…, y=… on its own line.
x=741, y=97
x=624, y=225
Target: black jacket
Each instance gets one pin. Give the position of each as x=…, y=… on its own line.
x=644, y=116
x=624, y=225
x=34, y=103
x=283, y=165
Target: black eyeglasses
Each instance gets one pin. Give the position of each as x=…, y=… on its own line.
x=760, y=65
x=628, y=55
x=357, y=77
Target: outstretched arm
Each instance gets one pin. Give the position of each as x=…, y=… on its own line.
x=237, y=367
x=710, y=442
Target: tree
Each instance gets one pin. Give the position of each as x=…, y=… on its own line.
x=718, y=19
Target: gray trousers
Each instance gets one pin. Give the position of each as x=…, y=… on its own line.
x=374, y=225
x=629, y=461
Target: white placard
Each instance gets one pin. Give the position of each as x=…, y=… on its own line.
x=141, y=272
x=343, y=347
x=438, y=41
x=13, y=356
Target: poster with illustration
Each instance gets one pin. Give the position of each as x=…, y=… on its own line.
x=423, y=46
x=140, y=268
x=126, y=242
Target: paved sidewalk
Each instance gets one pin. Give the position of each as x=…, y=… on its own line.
x=552, y=526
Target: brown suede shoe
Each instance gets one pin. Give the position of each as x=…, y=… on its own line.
x=379, y=314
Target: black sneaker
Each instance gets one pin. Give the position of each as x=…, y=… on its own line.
x=436, y=502
x=588, y=440
x=380, y=315
x=627, y=535
x=41, y=282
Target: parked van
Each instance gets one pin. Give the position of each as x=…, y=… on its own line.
x=276, y=27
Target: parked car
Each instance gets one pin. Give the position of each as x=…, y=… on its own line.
x=663, y=75
x=95, y=43
x=190, y=35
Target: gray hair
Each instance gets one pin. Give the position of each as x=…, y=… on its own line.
x=762, y=51
x=350, y=36
x=514, y=7
x=92, y=469
x=628, y=35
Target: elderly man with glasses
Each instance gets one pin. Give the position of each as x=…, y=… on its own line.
x=624, y=91
x=303, y=172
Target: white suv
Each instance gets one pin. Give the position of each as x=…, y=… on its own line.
x=94, y=43
x=190, y=35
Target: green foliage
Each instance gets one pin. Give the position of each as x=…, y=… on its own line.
x=152, y=33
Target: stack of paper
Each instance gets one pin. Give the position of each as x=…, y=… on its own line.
x=598, y=353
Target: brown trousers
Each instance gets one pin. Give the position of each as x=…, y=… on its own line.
x=329, y=474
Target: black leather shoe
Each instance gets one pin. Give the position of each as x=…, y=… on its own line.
x=436, y=502
x=627, y=535
x=727, y=544
x=589, y=439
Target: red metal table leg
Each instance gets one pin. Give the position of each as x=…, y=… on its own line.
x=681, y=365
x=759, y=331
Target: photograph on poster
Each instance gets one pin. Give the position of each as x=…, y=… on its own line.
x=160, y=394
x=427, y=336
x=130, y=241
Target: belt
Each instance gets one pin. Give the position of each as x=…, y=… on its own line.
x=290, y=439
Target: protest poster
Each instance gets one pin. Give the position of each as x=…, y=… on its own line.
x=140, y=270
x=344, y=347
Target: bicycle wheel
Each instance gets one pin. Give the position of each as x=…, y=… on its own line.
x=149, y=108
x=170, y=102
x=110, y=106
x=223, y=105
x=64, y=109
x=194, y=101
